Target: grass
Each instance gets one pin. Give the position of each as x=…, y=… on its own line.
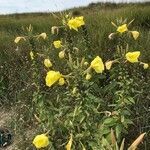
x=15, y=77
x=98, y=26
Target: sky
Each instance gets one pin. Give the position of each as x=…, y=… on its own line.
x=20, y=6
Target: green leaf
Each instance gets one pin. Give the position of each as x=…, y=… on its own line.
x=105, y=130
x=131, y=100
x=118, y=130
x=110, y=121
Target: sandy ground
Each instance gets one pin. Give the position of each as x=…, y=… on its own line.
x=5, y=117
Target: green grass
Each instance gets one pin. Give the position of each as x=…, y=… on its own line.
x=97, y=18
x=14, y=73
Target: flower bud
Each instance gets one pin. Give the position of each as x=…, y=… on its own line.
x=54, y=30
x=31, y=55
x=47, y=63
x=61, y=81
x=61, y=54
x=135, y=34
x=111, y=36
x=88, y=76
x=86, y=63
x=42, y=35
x=145, y=65
x=108, y=65
x=17, y=39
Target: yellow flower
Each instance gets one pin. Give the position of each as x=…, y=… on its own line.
x=41, y=141
x=61, y=81
x=43, y=35
x=57, y=44
x=122, y=28
x=81, y=21
x=97, y=65
x=52, y=77
x=145, y=65
x=135, y=34
x=61, y=54
x=133, y=56
x=47, y=63
x=31, y=55
x=76, y=22
x=88, y=76
x=108, y=64
x=69, y=144
x=17, y=39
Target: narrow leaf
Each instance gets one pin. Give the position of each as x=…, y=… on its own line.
x=69, y=144
x=136, y=142
x=113, y=139
x=122, y=145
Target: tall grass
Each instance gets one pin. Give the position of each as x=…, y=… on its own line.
x=98, y=20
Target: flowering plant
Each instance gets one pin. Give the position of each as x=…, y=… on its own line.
x=86, y=97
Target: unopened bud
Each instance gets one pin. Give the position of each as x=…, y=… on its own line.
x=61, y=54
x=111, y=36
x=86, y=63
x=88, y=76
x=54, y=30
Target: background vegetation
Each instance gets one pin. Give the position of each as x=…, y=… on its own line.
x=15, y=72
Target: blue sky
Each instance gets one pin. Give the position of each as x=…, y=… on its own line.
x=18, y=6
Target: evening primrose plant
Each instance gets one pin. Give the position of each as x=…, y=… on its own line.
x=81, y=102
x=123, y=29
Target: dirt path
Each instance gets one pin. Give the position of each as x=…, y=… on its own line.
x=5, y=117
